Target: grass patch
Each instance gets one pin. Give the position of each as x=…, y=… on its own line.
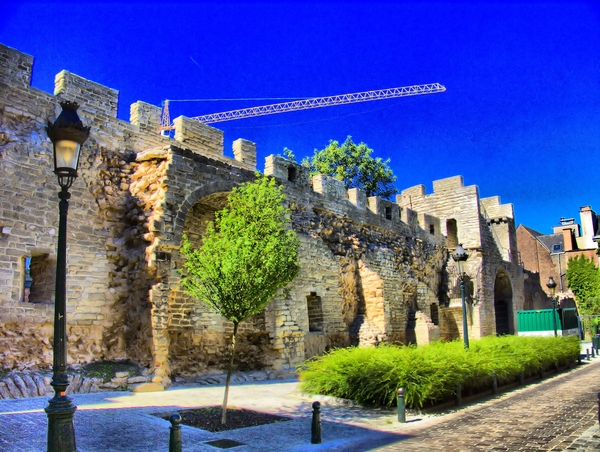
x=430, y=374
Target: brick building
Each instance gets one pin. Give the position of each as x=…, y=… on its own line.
x=547, y=255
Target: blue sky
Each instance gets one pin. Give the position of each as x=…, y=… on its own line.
x=520, y=117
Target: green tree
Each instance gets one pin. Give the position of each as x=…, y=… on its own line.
x=289, y=154
x=584, y=280
x=247, y=255
x=354, y=165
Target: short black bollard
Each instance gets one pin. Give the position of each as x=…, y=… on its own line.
x=315, y=434
x=593, y=353
x=522, y=378
x=175, y=437
x=401, y=407
x=494, y=382
x=458, y=395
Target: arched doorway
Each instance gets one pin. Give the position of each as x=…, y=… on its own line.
x=196, y=334
x=503, y=304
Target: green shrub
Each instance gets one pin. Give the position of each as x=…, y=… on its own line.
x=430, y=374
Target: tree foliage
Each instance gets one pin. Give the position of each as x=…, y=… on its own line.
x=355, y=165
x=248, y=253
x=584, y=280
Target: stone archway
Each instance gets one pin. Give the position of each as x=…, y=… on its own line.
x=503, y=301
x=196, y=339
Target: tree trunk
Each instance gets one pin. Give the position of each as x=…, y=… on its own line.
x=229, y=371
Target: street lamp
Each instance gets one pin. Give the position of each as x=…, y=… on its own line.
x=460, y=256
x=67, y=135
x=551, y=285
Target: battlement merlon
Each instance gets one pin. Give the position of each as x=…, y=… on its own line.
x=15, y=67
x=245, y=151
x=449, y=183
x=93, y=98
x=492, y=208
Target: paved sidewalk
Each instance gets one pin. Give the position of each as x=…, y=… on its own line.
x=557, y=414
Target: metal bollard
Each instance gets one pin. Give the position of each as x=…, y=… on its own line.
x=593, y=353
x=522, y=378
x=175, y=437
x=599, y=408
x=315, y=434
x=401, y=407
x=587, y=352
x=494, y=382
x=458, y=395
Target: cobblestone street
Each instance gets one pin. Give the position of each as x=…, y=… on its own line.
x=559, y=414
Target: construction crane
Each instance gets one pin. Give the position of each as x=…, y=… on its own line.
x=306, y=104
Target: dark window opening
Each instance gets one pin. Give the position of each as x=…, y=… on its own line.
x=315, y=313
x=40, y=278
x=292, y=174
x=432, y=229
x=388, y=213
x=435, y=315
x=162, y=256
x=452, y=232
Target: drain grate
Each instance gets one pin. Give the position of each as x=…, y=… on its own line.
x=225, y=443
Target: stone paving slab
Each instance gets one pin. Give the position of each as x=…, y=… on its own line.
x=123, y=421
x=559, y=413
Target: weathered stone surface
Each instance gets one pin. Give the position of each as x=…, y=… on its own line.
x=147, y=387
x=138, y=379
x=4, y=393
x=371, y=270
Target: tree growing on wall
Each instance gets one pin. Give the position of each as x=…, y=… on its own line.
x=248, y=253
x=354, y=164
x=584, y=280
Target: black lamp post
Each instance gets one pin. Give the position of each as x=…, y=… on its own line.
x=67, y=135
x=551, y=285
x=460, y=256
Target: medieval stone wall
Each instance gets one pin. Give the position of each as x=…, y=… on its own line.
x=487, y=231
x=371, y=270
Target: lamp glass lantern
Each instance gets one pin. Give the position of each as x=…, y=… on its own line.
x=551, y=285
x=67, y=134
x=460, y=256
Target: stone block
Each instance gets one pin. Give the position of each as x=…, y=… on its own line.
x=147, y=387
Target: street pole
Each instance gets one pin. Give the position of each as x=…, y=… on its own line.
x=460, y=257
x=60, y=410
x=464, y=311
x=67, y=134
x=554, y=314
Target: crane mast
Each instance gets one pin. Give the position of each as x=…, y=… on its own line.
x=306, y=104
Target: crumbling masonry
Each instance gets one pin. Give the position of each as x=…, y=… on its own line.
x=371, y=270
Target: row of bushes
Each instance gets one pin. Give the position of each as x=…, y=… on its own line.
x=430, y=374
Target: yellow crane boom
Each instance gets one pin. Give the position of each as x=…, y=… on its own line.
x=305, y=104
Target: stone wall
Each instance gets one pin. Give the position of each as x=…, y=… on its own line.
x=371, y=270
x=487, y=231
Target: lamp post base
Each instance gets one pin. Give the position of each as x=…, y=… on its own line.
x=61, y=431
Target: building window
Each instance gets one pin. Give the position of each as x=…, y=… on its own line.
x=40, y=278
x=432, y=229
x=452, y=233
x=435, y=315
x=292, y=174
x=315, y=313
x=388, y=213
